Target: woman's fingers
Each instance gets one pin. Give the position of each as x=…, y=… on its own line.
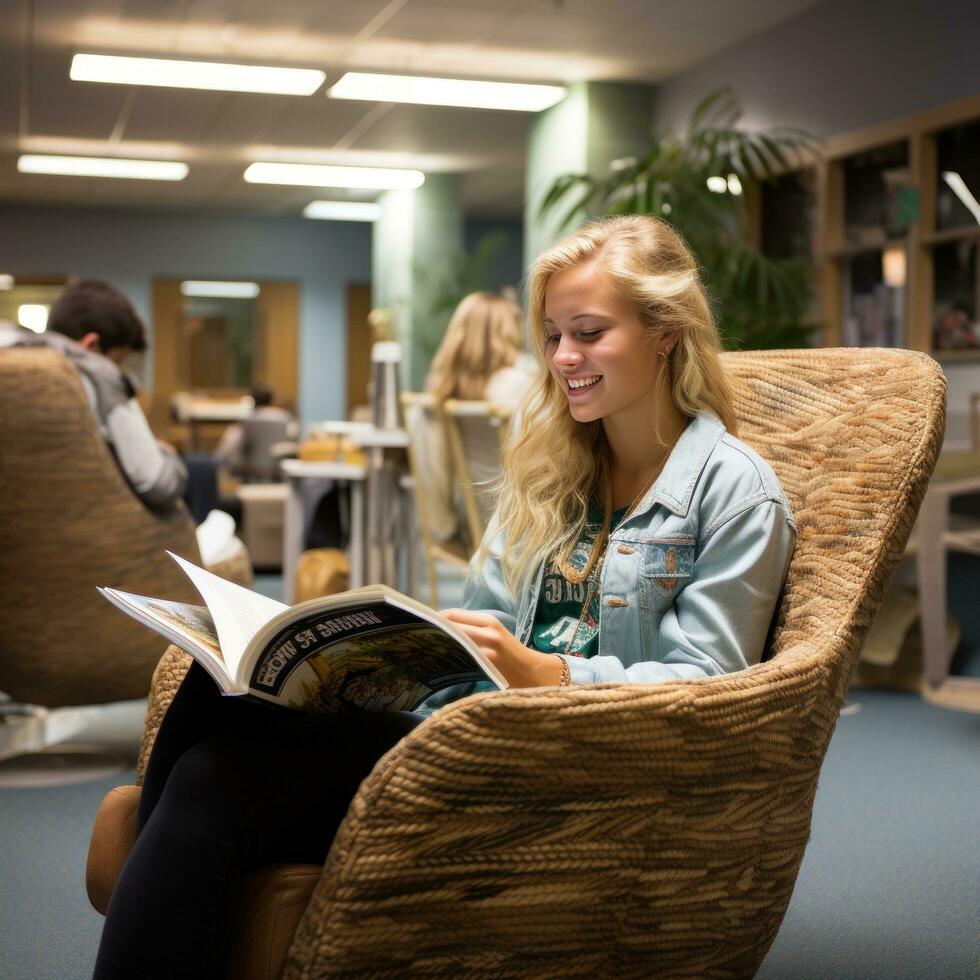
x=465, y=617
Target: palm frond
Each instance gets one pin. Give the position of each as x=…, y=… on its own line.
x=760, y=301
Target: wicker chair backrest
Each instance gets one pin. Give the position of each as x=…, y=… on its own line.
x=69, y=522
x=635, y=831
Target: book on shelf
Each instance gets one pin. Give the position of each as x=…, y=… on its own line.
x=369, y=649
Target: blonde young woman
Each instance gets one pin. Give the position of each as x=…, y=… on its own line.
x=636, y=539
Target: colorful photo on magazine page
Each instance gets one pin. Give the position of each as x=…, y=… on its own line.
x=374, y=671
x=193, y=622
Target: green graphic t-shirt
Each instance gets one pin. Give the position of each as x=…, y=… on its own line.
x=560, y=602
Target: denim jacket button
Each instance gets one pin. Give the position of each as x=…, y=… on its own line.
x=615, y=601
x=625, y=549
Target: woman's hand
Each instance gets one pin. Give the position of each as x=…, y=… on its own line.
x=521, y=666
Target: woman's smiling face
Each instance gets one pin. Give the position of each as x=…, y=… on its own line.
x=598, y=350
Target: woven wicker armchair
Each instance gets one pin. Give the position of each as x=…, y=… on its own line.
x=637, y=831
x=69, y=522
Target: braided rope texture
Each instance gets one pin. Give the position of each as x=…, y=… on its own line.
x=633, y=831
x=638, y=831
x=68, y=523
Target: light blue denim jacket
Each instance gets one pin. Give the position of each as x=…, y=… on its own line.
x=691, y=579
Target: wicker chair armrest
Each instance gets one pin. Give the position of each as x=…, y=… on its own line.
x=167, y=677
x=526, y=825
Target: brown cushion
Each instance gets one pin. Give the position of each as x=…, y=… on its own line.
x=272, y=901
x=321, y=571
x=112, y=838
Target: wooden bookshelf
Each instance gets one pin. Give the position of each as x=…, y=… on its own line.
x=916, y=212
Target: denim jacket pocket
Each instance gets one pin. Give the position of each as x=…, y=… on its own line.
x=667, y=563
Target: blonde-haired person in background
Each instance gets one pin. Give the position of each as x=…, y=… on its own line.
x=636, y=538
x=480, y=359
x=625, y=492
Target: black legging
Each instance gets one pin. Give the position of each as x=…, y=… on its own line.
x=230, y=785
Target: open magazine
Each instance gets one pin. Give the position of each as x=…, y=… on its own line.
x=370, y=649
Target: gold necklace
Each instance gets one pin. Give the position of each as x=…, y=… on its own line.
x=597, y=582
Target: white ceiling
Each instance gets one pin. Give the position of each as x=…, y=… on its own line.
x=42, y=110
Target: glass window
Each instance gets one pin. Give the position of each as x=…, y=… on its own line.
x=874, y=299
x=789, y=215
x=958, y=177
x=879, y=202
x=216, y=342
x=956, y=323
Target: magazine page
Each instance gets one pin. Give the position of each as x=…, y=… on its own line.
x=430, y=615
x=372, y=655
x=238, y=613
x=190, y=627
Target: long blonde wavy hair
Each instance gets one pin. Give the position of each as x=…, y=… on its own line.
x=483, y=336
x=554, y=464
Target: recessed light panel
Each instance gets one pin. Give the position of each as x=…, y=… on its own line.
x=446, y=91
x=342, y=211
x=316, y=175
x=170, y=73
x=219, y=289
x=36, y=163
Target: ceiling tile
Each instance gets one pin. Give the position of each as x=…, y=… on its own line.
x=59, y=106
x=545, y=40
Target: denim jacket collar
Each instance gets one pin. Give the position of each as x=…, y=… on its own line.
x=674, y=487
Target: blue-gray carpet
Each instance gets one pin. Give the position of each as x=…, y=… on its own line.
x=890, y=885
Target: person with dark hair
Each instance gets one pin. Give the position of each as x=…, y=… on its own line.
x=245, y=447
x=96, y=328
x=99, y=318
x=263, y=396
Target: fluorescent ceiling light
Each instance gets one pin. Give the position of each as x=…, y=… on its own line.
x=446, y=91
x=36, y=163
x=195, y=74
x=219, y=289
x=342, y=211
x=34, y=316
x=6, y=281
x=959, y=188
x=314, y=175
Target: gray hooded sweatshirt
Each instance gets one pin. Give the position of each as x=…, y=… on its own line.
x=156, y=474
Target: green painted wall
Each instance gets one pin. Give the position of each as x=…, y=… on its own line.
x=438, y=234
x=414, y=238
x=556, y=145
x=620, y=122
x=596, y=123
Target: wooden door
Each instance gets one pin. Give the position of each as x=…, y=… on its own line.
x=275, y=349
x=167, y=314
x=358, y=344
x=275, y=345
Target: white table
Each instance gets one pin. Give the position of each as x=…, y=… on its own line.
x=297, y=473
x=200, y=411
x=382, y=498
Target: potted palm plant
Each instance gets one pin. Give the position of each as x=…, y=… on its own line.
x=699, y=181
